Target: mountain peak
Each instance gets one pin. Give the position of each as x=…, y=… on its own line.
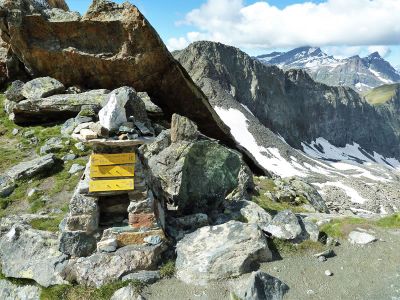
x=375, y=55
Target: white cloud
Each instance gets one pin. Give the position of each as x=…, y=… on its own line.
x=263, y=26
x=384, y=51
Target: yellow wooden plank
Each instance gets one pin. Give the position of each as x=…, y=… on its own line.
x=112, y=159
x=112, y=171
x=111, y=185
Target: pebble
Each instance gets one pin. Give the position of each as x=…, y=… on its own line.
x=75, y=168
x=322, y=258
x=80, y=146
x=15, y=131
x=68, y=157
x=328, y=273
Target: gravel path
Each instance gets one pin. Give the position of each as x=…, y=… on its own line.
x=370, y=272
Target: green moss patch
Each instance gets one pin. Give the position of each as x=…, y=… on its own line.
x=77, y=292
x=167, y=270
x=48, y=224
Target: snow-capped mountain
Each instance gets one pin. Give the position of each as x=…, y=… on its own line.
x=362, y=74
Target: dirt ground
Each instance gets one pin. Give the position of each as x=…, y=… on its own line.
x=369, y=272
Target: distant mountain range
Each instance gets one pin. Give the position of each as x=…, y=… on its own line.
x=362, y=74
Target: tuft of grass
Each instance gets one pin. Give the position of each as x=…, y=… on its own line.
x=392, y=221
x=48, y=224
x=381, y=94
x=340, y=228
x=284, y=247
x=167, y=270
x=78, y=292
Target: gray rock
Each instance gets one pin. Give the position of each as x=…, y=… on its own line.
x=53, y=145
x=183, y=129
x=328, y=273
x=99, y=130
x=57, y=107
x=15, y=131
x=77, y=243
x=284, y=225
x=147, y=277
x=14, y=92
x=361, y=238
x=322, y=258
x=32, y=254
x=151, y=108
x=103, y=268
x=170, y=173
x=68, y=157
x=144, y=130
x=254, y=214
x=217, y=252
x=153, y=239
x=29, y=134
x=107, y=246
x=31, y=168
x=68, y=127
x=310, y=230
x=42, y=87
x=7, y=186
x=75, y=168
x=191, y=221
x=262, y=286
x=10, y=291
x=80, y=146
x=113, y=114
x=126, y=293
x=327, y=254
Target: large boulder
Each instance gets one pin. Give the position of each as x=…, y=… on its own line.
x=11, y=291
x=103, y=268
x=110, y=46
x=32, y=254
x=223, y=251
x=193, y=175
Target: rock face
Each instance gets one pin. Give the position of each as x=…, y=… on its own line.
x=337, y=114
x=219, y=171
x=262, y=286
x=32, y=254
x=113, y=45
x=10, y=291
x=217, y=252
x=102, y=268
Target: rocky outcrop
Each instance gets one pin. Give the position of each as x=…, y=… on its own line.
x=112, y=45
x=10, y=291
x=223, y=251
x=219, y=171
x=32, y=254
x=289, y=103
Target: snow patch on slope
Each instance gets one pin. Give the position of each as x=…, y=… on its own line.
x=269, y=158
x=379, y=76
x=350, y=192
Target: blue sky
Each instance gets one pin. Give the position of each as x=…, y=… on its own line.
x=341, y=27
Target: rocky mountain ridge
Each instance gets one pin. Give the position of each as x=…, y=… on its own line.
x=361, y=74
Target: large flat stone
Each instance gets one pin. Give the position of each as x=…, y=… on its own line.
x=223, y=251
